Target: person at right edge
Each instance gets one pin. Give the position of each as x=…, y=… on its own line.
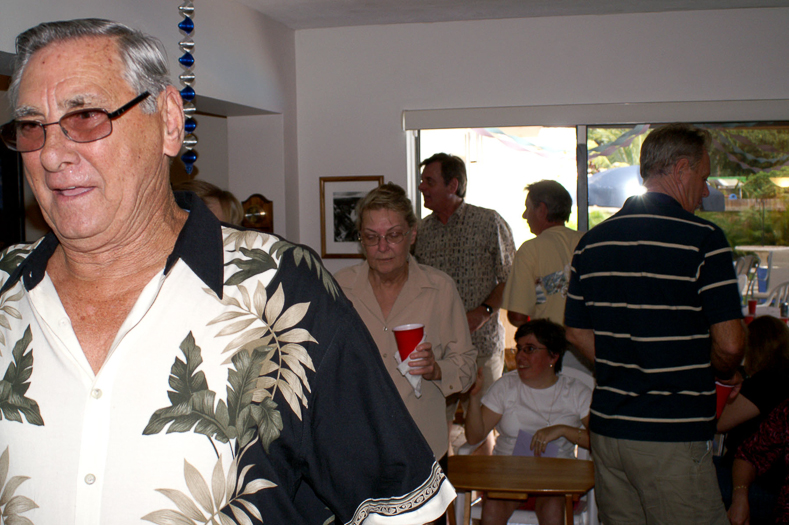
x=653, y=300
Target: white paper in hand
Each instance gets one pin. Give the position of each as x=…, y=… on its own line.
x=523, y=442
x=416, y=381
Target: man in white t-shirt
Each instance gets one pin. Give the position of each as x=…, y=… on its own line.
x=537, y=286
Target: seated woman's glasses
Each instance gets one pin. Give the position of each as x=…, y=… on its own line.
x=529, y=349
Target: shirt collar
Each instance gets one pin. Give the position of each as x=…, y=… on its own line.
x=459, y=212
x=199, y=245
x=660, y=199
x=417, y=277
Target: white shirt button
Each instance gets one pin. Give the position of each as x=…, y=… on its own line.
x=96, y=393
x=64, y=322
x=90, y=479
x=386, y=328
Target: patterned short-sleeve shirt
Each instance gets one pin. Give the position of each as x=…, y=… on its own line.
x=242, y=388
x=476, y=249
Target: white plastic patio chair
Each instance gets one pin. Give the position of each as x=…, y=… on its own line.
x=779, y=294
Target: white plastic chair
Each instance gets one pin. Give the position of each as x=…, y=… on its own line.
x=779, y=294
x=585, y=514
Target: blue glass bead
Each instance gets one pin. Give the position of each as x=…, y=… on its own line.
x=188, y=93
x=186, y=25
x=188, y=167
x=187, y=60
x=189, y=157
x=190, y=125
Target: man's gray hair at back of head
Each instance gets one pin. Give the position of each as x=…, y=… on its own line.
x=143, y=55
x=669, y=144
x=556, y=198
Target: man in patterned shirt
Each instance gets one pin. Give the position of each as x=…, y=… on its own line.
x=163, y=367
x=474, y=246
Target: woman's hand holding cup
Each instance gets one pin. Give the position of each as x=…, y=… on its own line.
x=423, y=362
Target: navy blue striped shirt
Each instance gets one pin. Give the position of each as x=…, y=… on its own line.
x=650, y=281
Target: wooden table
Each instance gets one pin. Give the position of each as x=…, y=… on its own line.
x=515, y=477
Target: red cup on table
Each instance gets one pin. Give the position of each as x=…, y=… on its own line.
x=408, y=336
x=751, y=306
x=722, y=392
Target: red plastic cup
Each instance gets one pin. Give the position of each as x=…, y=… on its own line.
x=408, y=336
x=723, y=392
x=752, y=306
x=748, y=319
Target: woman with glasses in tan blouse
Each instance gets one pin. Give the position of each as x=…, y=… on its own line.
x=388, y=289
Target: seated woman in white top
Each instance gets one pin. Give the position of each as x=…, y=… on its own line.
x=532, y=399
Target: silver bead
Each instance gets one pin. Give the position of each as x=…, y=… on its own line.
x=187, y=78
x=190, y=141
x=187, y=9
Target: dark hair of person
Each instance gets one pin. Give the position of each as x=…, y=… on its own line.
x=548, y=333
x=232, y=209
x=388, y=196
x=667, y=145
x=768, y=345
x=452, y=167
x=555, y=197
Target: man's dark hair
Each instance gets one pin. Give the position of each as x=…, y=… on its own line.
x=452, y=167
x=547, y=333
x=554, y=196
x=669, y=144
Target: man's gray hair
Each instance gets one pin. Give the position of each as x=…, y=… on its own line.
x=556, y=198
x=669, y=144
x=143, y=55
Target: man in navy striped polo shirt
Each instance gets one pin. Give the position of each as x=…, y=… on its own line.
x=653, y=299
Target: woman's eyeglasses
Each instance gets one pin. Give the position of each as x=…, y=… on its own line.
x=82, y=125
x=529, y=349
x=372, y=239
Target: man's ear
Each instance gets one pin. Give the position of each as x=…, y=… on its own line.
x=542, y=211
x=172, y=111
x=453, y=186
x=681, y=167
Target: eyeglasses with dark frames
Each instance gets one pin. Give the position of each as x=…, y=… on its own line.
x=82, y=125
x=372, y=239
x=529, y=349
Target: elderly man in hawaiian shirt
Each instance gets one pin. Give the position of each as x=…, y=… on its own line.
x=160, y=366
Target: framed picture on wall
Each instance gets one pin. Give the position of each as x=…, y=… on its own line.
x=339, y=196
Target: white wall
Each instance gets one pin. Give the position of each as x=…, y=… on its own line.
x=354, y=83
x=254, y=161
x=237, y=49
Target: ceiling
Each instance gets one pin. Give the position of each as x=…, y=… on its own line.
x=307, y=14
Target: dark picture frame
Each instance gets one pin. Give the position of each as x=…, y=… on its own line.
x=339, y=196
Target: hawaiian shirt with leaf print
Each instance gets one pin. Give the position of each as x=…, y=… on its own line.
x=242, y=389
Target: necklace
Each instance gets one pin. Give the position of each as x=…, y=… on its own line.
x=550, y=408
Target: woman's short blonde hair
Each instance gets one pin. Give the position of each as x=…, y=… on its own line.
x=388, y=196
